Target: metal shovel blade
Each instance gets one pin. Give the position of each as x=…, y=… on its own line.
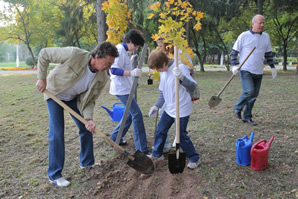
x=141, y=163
x=176, y=165
x=214, y=101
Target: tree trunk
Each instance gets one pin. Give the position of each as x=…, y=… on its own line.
x=101, y=22
x=285, y=57
x=260, y=6
x=32, y=54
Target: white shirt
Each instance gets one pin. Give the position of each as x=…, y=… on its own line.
x=77, y=88
x=167, y=86
x=121, y=85
x=245, y=43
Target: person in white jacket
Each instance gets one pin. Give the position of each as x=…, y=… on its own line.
x=121, y=84
x=168, y=72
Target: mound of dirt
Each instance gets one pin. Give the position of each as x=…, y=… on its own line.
x=115, y=179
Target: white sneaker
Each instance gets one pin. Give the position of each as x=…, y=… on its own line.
x=60, y=182
x=162, y=157
x=90, y=166
x=193, y=165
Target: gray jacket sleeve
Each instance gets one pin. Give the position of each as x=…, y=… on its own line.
x=160, y=100
x=188, y=84
x=233, y=56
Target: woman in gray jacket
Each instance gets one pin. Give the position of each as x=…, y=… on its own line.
x=77, y=80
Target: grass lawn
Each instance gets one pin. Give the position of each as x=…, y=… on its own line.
x=13, y=64
x=24, y=127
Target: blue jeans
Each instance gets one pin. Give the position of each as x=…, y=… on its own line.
x=186, y=144
x=136, y=118
x=251, y=84
x=56, y=139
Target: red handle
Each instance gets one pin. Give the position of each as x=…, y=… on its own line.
x=252, y=150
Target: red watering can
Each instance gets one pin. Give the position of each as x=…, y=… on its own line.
x=259, y=154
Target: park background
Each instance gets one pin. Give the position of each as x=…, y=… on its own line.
x=30, y=25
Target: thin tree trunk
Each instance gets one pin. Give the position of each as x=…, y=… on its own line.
x=285, y=57
x=101, y=22
x=260, y=6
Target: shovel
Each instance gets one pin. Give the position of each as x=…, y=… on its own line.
x=176, y=160
x=139, y=161
x=215, y=100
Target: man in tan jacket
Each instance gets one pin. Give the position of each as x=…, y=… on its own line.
x=77, y=80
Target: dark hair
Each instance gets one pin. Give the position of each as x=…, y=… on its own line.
x=157, y=59
x=103, y=49
x=134, y=36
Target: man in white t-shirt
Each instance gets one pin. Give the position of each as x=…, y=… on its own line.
x=251, y=73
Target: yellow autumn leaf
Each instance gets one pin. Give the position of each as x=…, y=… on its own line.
x=155, y=37
x=105, y=5
x=171, y=1
x=155, y=6
x=150, y=16
x=156, y=76
x=198, y=26
x=184, y=5
x=168, y=4
x=200, y=15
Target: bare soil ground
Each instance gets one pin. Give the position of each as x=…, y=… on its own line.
x=23, y=145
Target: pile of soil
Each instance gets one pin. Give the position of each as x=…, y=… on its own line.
x=115, y=179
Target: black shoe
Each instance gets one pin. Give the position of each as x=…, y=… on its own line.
x=250, y=121
x=237, y=114
x=123, y=143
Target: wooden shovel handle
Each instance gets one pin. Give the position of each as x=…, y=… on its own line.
x=233, y=74
x=76, y=115
x=177, y=103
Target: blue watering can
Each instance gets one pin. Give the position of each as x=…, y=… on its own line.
x=117, y=113
x=243, y=147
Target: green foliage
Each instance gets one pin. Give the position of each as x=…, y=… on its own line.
x=30, y=62
x=7, y=52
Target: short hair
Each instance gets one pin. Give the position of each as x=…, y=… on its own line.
x=104, y=49
x=157, y=59
x=134, y=36
x=254, y=18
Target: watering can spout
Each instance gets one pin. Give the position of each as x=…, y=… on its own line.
x=109, y=111
x=270, y=141
x=252, y=137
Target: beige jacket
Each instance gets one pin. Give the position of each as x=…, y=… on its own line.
x=71, y=63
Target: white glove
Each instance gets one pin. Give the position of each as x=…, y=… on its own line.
x=177, y=73
x=153, y=111
x=235, y=70
x=136, y=72
x=134, y=57
x=274, y=73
